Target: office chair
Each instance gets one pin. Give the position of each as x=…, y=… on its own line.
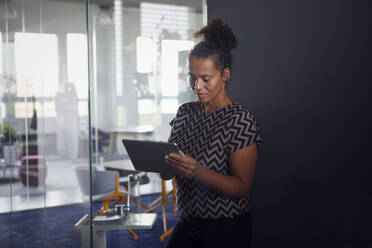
x=119, y=163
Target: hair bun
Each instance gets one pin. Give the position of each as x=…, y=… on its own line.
x=218, y=33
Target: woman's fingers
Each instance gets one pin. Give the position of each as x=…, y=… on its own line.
x=181, y=152
x=177, y=156
x=177, y=162
x=183, y=167
x=185, y=164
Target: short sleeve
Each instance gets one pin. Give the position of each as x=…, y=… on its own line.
x=180, y=111
x=172, y=123
x=243, y=131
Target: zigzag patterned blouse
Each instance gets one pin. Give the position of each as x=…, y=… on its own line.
x=210, y=137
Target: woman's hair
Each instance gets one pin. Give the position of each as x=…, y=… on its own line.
x=217, y=41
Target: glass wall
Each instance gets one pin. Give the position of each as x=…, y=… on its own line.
x=126, y=59
x=43, y=121
x=140, y=51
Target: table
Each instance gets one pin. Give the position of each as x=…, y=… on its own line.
x=133, y=131
x=122, y=164
x=132, y=221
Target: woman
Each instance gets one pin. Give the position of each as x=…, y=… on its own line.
x=218, y=141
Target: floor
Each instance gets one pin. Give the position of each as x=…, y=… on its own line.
x=61, y=188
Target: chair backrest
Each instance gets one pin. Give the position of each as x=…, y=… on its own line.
x=103, y=181
x=82, y=176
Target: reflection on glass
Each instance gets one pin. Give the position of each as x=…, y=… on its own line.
x=43, y=56
x=104, y=15
x=77, y=57
x=146, y=106
x=36, y=68
x=169, y=106
x=1, y=53
x=169, y=58
x=145, y=51
x=118, y=37
x=161, y=20
x=25, y=110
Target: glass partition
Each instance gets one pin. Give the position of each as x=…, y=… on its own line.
x=43, y=121
x=75, y=77
x=140, y=62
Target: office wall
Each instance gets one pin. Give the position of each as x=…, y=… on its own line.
x=302, y=68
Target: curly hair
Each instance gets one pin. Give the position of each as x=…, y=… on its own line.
x=217, y=41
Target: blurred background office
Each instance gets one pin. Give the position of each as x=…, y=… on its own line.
x=303, y=68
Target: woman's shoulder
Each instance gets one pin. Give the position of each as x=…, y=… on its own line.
x=241, y=111
x=188, y=107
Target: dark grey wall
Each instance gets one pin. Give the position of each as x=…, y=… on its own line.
x=302, y=68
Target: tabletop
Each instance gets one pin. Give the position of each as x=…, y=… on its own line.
x=141, y=129
x=124, y=164
x=131, y=221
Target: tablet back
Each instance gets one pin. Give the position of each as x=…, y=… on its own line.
x=149, y=155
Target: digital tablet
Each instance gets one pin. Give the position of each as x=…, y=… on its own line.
x=149, y=155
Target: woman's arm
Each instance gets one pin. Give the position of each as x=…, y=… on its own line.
x=237, y=184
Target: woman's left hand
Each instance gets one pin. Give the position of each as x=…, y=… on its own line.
x=184, y=164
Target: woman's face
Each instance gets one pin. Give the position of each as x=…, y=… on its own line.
x=206, y=79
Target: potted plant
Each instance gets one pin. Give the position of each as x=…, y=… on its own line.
x=9, y=137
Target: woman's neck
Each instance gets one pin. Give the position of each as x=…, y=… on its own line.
x=216, y=104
